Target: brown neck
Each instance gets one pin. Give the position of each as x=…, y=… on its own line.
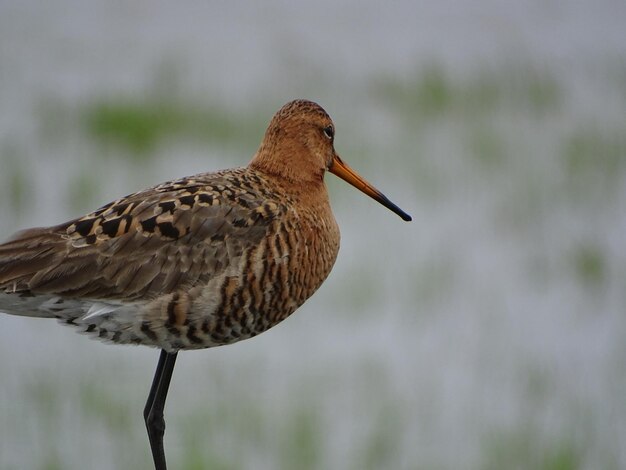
x=309, y=192
x=286, y=162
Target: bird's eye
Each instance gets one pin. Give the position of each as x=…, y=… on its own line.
x=329, y=132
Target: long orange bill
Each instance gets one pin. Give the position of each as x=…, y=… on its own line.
x=339, y=168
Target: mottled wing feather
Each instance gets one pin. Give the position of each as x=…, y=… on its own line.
x=147, y=244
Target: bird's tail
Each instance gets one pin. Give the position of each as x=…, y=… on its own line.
x=22, y=257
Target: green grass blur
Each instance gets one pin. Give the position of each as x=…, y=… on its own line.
x=514, y=133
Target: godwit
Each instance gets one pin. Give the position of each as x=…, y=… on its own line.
x=202, y=261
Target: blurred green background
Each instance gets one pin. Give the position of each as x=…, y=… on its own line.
x=486, y=334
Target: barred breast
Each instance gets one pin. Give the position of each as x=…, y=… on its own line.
x=267, y=283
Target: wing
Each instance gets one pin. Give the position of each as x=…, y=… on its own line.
x=172, y=236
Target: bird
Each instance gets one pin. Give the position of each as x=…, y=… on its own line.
x=193, y=263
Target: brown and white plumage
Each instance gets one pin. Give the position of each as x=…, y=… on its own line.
x=197, y=262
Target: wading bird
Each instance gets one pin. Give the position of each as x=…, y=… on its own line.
x=194, y=263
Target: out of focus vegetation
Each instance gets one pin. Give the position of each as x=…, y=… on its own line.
x=506, y=159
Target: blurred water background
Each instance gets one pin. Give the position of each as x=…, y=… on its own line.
x=486, y=334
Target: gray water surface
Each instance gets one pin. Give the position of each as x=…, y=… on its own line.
x=486, y=334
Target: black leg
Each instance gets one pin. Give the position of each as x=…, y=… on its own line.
x=153, y=412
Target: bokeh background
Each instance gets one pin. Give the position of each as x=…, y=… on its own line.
x=486, y=334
